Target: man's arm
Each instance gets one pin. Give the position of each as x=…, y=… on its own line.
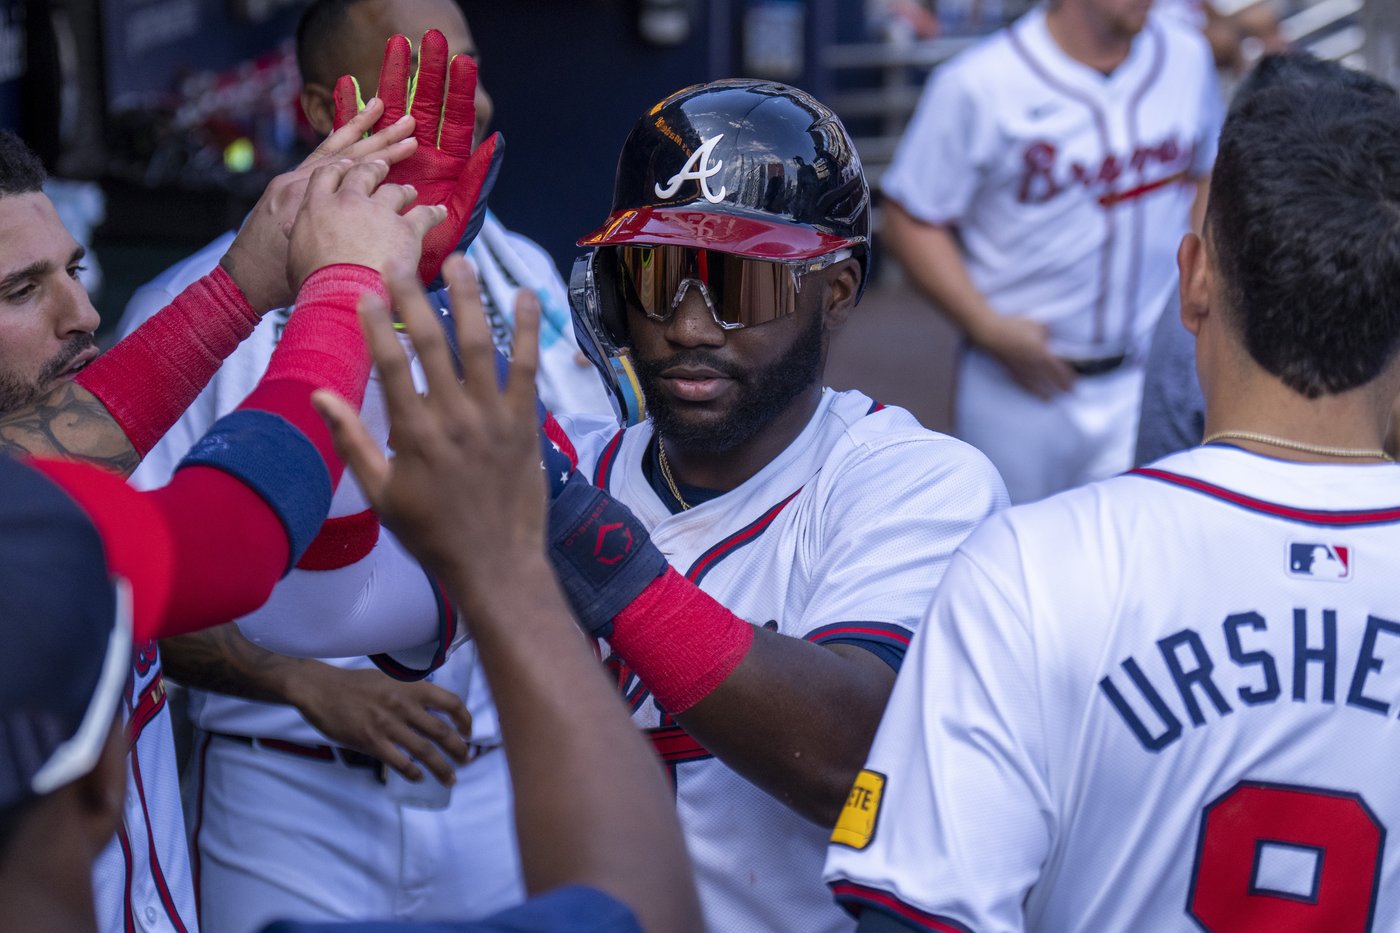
x=122, y=403
x=361, y=709
x=933, y=262
x=466, y=471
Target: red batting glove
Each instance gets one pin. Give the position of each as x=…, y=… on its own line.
x=444, y=169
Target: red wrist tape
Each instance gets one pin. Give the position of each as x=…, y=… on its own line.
x=148, y=380
x=680, y=641
x=327, y=349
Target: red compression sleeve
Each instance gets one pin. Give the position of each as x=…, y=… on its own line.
x=148, y=380
x=206, y=548
x=680, y=641
x=321, y=347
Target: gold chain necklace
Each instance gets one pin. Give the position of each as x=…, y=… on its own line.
x=1354, y=453
x=666, y=473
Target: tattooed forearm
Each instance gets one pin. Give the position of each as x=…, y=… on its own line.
x=222, y=660
x=68, y=422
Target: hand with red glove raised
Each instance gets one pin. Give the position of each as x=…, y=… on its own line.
x=444, y=169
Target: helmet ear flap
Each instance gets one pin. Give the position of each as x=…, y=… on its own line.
x=600, y=324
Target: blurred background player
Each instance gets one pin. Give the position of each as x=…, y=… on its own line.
x=759, y=548
x=1036, y=199
x=1187, y=717
x=289, y=811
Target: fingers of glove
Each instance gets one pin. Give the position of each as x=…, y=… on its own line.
x=459, y=113
x=429, y=86
x=394, y=76
x=357, y=449
x=353, y=128
x=474, y=344
x=348, y=103
x=426, y=333
x=525, y=354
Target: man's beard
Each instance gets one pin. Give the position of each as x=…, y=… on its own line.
x=14, y=393
x=762, y=394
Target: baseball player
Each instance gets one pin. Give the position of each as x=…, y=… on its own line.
x=756, y=552
x=611, y=860
x=1168, y=700
x=142, y=879
x=1037, y=199
x=288, y=806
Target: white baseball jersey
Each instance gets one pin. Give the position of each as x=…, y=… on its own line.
x=1166, y=701
x=1069, y=190
x=379, y=602
x=841, y=538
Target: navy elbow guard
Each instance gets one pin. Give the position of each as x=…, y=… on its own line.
x=266, y=453
x=601, y=552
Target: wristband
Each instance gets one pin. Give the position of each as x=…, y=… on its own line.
x=274, y=459
x=601, y=552
x=680, y=641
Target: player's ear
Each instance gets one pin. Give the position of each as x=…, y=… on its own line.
x=843, y=285
x=319, y=107
x=1193, y=263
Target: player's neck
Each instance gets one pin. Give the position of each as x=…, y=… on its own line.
x=726, y=470
x=1354, y=421
x=1086, y=38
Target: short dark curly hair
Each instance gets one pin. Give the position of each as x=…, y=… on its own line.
x=1304, y=221
x=21, y=172
x=318, y=31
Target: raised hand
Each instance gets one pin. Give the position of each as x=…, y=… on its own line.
x=441, y=97
x=257, y=259
x=464, y=490
x=349, y=215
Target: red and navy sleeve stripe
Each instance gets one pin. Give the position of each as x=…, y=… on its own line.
x=1352, y=518
x=447, y=634
x=746, y=535
x=887, y=642
x=603, y=472
x=857, y=898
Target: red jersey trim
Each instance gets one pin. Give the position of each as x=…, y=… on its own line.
x=1347, y=518
x=856, y=897
x=341, y=542
x=603, y=472
x=746, y=535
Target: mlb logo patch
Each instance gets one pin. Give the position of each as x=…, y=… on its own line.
x=1319, y=561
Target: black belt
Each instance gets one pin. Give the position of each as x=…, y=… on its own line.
x=346, y=756
x=1097, y=366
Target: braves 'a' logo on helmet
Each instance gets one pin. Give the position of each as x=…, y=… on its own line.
x=697, y=168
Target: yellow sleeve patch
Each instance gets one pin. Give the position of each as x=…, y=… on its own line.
x=856, y=825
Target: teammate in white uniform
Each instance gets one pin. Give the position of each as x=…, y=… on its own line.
x=1037, y=198
x=282, y=823
x=1168, y=700
x=805, y=528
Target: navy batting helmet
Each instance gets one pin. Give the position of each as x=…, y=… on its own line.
x=755, y=169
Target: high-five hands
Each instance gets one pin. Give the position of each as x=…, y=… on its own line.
x=441, y=98
x=350, y=215
x=257, y=258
